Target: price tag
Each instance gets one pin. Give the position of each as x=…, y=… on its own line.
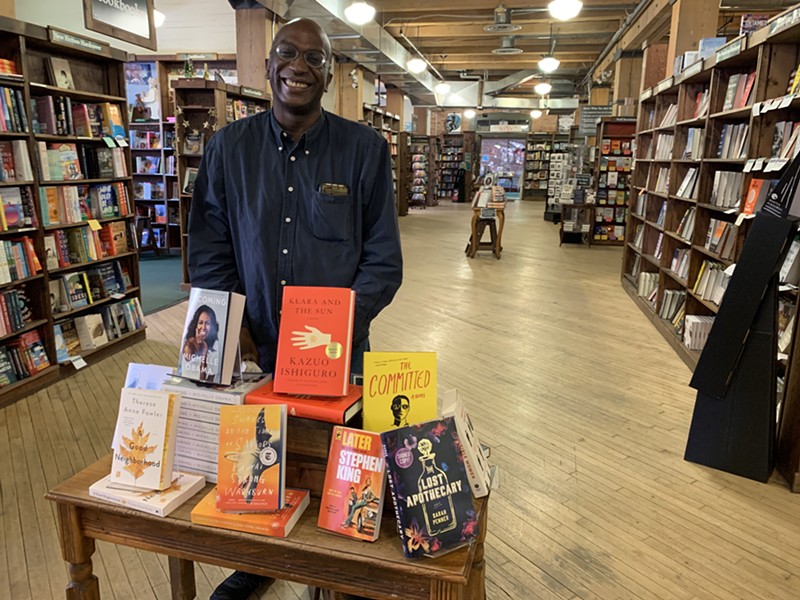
x=740, y=219
x=77, y=362
x=122, y=142
x=118, y=296
x=729, y=271
x=748, y=166
x=94, y=225
x=730, y=211
x=109, y=141
x=786, y=101
x=759, y=164
x=756, y=109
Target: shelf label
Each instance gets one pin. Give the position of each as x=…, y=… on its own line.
x=693, y=70
x=646, y=94
x=663, y=85
x=784, y=21
x=759, y=164
x=756, y=108
x=122, y=142
x=248, y=91
x=740, y=219
x=77, y=362
x=776, y=164
x=197, y=55
x=117, y=296
x=786, y=101
x=730, y=50
x=76, y=41
x=748, y=166
x=94, y=225
x=109, y=141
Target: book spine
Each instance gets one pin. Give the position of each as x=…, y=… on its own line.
x=150, y=509
x=397, y=510
x=207, y=395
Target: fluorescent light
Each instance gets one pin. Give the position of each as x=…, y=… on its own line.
x=442, y=88
x=416, y=65
x=158, y=18
x=543, y=88
x=564, y=10
x=359, y=13
x=549, y=64
x=469, y=114
x=536, y=113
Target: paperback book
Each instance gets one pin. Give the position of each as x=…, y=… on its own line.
x=479, y=472
x=155, y=502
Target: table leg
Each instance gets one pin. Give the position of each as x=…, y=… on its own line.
x=77, y=550
x=443, y=590
x=181, y=579
x=476, y=583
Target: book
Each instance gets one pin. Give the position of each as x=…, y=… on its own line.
x=399, y=389
x=155, y=502
x=143, y=446
x=275, y=524
x=251, y=465
x=235, y=393
x=188, y=180
x=314, y=341
x=209, y=349
x=193, y=143
x=60, y=73
x=428, y=481
x=475, y=461
x=337, y=410
x=147, y=377
x=354, y=490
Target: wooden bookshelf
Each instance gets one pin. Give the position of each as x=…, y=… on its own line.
x=387, y=124
x=98, y=79
x=421, y=192
x=612, y=179
x=536, y=174
x=452, y=151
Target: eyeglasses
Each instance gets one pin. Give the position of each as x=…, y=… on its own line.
x=315, y=59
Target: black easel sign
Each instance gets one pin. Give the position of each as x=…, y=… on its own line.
x=127, y=20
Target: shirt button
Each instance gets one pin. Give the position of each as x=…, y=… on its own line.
x=291, y=189
x=292, y=158
x=306, y=152
x=283, y=282
x=285, y=251
x=283, y=133
x=288, y=219
x=280, y=148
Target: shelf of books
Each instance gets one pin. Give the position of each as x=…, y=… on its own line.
x=422, y=158
x=69, y=274
x=388, y=126
x=203, y=107
x=613, y=179
x=449, y=157
x=710, y=144
x=403, y=166
x=559, y=170
x=537, y=165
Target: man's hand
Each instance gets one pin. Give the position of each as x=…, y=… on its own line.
x=305, y=340
x=248, y=346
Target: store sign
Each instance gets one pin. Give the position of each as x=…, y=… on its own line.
x=248, y=91
x=590, y=117
x=75, y=41
x=730, y=50
x=127, y=20
x=506, y=128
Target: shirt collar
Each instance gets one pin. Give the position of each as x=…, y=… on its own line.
x=310, y=136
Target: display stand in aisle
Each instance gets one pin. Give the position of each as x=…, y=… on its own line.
x=613, y=179
x=420, y=191
x=488, y=213
x=577, y=211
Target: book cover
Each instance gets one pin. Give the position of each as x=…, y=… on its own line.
x=155, y=502
x=188, y=180
x=314, y=341
x=337, y=410
x=251, y=465
x=7, y=372
x=144, y=439
x=429, y=486
x=354, y=489
x=71, y=341
x=275, y=524
x=209, y=349
x=148, y=377
x=399, y=389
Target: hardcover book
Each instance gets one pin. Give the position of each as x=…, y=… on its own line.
x=354, y=489
x=399, y=389
x=154, y=502
x=235, y=393
x=314, y=341
x=274, y=524
x=429, y=485
x=251, y=465
x=479, y=471
x=209, y=349
x=144, y=439
x=337, y=410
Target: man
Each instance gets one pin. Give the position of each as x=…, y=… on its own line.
x=294, y=196
x=366, y=497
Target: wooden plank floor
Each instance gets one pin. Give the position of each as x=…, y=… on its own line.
x=585, y=405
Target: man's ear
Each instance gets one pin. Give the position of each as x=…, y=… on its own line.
x=328, y=80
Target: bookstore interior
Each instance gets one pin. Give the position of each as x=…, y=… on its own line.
x=661, y=138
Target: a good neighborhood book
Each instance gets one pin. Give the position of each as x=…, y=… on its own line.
x=355, y=485
x=275, y=524
x=251, y=464
x=429, y=485
x=399, y=389
x=479, y=472
x=144, y=439
x=314, y=339
x=332, y=410
x=155, y=502
x=210, y=345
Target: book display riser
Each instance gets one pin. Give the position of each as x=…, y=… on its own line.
x=98, y=78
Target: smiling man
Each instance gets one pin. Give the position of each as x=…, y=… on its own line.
x=294, y=196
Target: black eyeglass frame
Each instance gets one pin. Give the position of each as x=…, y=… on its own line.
x=296, y=53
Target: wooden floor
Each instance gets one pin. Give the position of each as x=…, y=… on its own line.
x=585, y=406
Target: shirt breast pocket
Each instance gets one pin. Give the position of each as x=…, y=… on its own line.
x=332, y=217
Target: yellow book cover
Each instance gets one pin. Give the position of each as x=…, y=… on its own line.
x=399, y=389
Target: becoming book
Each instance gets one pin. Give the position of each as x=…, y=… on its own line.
x=399, y=389
x=316, y=332
x=251, y=466
x=155, y=502
x=209, y=349
x=354, y=490
x=337, y=410
x=144, y=439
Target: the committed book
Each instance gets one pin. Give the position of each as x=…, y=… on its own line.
x=155, y=502
x=316, y=332
x=338, y=410
x=210, y=343
x=251, y=467
x=275, y=524
x=144, y=439
x=432, y=498
x=354, y=489
x=399, y=389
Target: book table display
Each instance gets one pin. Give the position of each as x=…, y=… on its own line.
x=376, y=570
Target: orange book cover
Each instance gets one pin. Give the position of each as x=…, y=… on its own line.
x=252, y=458
x=752, y=196
x=339, y=409
x=355, y=485
x=314, y=339
x=276, y=524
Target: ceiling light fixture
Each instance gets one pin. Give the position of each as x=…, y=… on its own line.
x=442, y=87
x=549, y=64
x=536, y=113
x=469, y=114
x=359, y=13
x=416, y=65
x=564, y=10
x=158, y=18
x=543, y=88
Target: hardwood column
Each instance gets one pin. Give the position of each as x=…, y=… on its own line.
x=253, y=42
x=654, y=64
x=627, y=82
x=7, y=8
x=600, y=96
x=692, y=20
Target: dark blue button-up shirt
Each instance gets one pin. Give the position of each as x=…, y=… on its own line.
x=259, y=219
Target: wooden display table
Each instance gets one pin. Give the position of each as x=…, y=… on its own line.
x=308, y=556
x=479, y=226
